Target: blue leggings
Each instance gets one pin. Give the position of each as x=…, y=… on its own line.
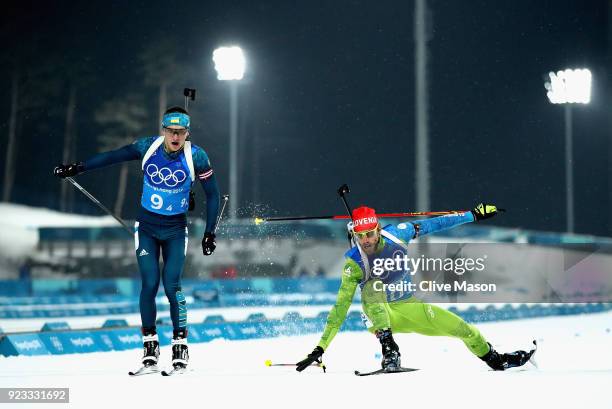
x=172, y=241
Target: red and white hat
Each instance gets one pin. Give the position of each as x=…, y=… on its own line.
x=364, y=219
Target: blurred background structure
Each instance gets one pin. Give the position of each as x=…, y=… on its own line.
x=425, y=105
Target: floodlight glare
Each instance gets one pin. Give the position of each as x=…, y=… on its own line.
x=229, y=63
x=569, y=87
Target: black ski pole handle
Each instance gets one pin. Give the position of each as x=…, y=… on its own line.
x=342, y=191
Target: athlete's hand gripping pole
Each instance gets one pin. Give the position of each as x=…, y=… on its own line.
x=72, y=169
x=485, y=211
x=313, y=358
x=209, y=243
x=318, y=364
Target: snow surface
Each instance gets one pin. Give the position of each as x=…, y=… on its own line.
x=575, y=371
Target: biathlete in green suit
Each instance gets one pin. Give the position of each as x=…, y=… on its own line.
x=387, y=311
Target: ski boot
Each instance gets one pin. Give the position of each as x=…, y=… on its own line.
x=391, y=356
x=180, y=354
x=150, y=343
x=500, y=362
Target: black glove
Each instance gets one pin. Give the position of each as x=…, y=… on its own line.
x=64, y=171
x=314, y=356
x=208, y=243
x=484, y=211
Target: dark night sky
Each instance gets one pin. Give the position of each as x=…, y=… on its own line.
x=330, y=98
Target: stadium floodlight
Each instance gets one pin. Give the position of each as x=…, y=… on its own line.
x=569, y=87
x=229, y=63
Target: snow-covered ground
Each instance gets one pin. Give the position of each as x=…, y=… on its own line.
x=575, y=371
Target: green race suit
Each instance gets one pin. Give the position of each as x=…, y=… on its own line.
x=400, y=312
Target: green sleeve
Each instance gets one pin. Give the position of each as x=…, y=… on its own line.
x=351, y=276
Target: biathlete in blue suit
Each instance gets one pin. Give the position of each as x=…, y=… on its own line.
x=170, y=164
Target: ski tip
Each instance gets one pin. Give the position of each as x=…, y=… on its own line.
x=268, y=362
x=357, y=373
x=175, y=371
x=144, y=371
x=532, y=359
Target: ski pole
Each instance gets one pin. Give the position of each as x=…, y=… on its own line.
x=225, y=199
x=189, y=93
x=342, y=191
x=127, y=228
x=317, y=364
x=263, y=219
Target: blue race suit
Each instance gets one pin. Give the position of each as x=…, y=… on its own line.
x=161, y=226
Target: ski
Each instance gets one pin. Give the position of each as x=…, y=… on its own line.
x=385, y=371
x=175, y=371
x=145, y=370
x=527, y=357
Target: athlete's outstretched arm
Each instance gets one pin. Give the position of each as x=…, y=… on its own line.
x=411, y=230
x=350, y=279
x=133, y=151
x=104, y=159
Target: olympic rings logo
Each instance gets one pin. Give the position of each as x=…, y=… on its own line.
x=165, y=175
